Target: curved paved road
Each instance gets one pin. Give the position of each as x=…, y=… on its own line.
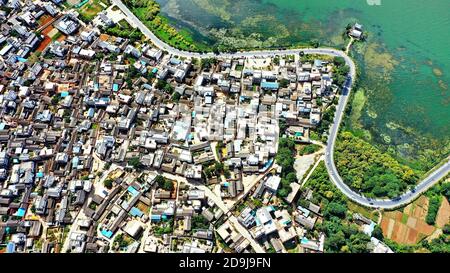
x=404, y=199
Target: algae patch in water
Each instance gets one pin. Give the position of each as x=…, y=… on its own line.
x=392, y=125
x=437, y=72
x=376, y=57
x=358, y=103
x=214, y=8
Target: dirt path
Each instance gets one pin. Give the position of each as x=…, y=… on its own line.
x=311, y=171
x=347, y=49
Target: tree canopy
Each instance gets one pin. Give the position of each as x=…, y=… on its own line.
x=370, y=171
x=286, y=159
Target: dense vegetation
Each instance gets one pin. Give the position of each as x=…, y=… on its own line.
x=176, y=97
x=286, y=159
x=123, y=29
x=341, y=234
x=437, y=245
x=340, y=70
x=199, y=222
x=309, y=149
x=121, y=241
x=215, y=170
x=108, y=183
x=135, y=162
x=435, y=196
x=207, y=63
x=324, y=191
x=148, y=12
x=164, y=86
x=325, y=122
x=163, y=228
x=164, y=183
x=370, y=171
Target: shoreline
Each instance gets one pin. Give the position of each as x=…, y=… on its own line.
x=433, y=178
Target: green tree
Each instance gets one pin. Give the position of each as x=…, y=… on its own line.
x=199, y=222
x=176, y=97
x=378, y=233
x=135, y=162
x=164, y=183
x=335, y=209
x=108, y=183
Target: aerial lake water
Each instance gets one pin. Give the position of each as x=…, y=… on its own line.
x=405, y=62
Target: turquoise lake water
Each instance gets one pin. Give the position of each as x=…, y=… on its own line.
x=405, y=62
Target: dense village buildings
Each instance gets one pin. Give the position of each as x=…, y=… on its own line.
x=110, y=145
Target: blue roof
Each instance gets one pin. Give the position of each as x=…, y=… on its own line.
x=242, y=98
x=2, y=126
x=135, y=212
x=81, y=4
x=156, y=217
x=64, y=94
x=154, y=70
x=175, y=61
x=40, y=174
x=302, y=209
x=115, y=87
x=91, y=112
x=20, y=212
x=11, y=247
x=269, y=85
x=132, y=190
x=75, y=161
x=304, y=240
x=268, y=163
x=107, y=233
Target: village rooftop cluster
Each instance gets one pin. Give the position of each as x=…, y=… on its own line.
x=109, y=144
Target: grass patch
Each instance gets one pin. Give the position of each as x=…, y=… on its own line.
x=56, y=36
x=89, y=10
x=358, y=103
x=368, y=213
x=404, y=218
x=125, y=30
x=309, y=149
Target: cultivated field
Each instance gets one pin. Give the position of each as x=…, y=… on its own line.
x=409, y=226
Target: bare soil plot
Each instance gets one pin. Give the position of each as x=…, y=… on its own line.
x=443, y=216
x=44, y=43
x=44, y=19
x=420, y=208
